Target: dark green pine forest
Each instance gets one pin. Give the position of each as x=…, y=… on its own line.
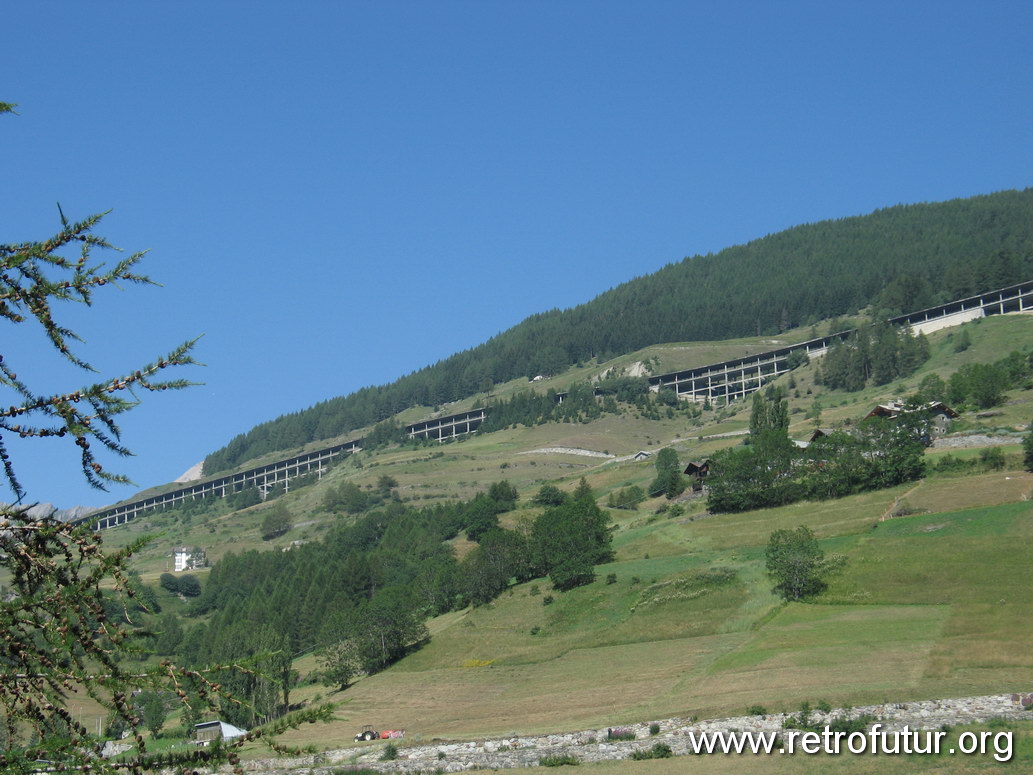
x=359, y=596
x=896, y=259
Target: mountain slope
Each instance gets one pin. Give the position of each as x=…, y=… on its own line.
x=899, y=258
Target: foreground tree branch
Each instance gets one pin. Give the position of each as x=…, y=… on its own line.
x=67, y=612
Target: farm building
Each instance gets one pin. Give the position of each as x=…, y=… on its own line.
x=698, y=470
x=208, y=731
x=940, y=413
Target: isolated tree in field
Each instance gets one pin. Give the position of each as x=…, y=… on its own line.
x=277, y=521
x=794, y=562
x=568, y=540
x=151, y=707
x=386, y=483
x=55, y=628
x=669, y=480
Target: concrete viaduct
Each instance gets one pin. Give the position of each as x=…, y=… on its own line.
x=280, y=472
x=728, y=380
x=733, y=379
x=263, y=477
x=449, y=427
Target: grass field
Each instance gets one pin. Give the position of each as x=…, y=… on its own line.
x=916, y=613
x=927, y=605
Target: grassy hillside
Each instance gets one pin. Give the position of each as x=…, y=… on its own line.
x=897, y=259
x=460, y=469
x=927, y=605
x=916, y=613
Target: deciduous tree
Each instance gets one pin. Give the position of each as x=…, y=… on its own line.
x=669, y=480
x=277, y=521
x=794, y=562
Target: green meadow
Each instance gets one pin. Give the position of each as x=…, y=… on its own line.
x=925, y=606
x=932, y=598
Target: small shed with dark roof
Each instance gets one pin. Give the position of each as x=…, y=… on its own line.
x=698, y=470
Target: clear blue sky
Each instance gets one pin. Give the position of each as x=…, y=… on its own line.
x=338, y=193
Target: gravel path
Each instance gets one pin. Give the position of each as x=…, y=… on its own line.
x=567, y=451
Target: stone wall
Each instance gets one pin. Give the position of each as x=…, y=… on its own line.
x=591, y=745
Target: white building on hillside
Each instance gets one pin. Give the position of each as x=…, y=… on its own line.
x=187, y=558
x=182, y=559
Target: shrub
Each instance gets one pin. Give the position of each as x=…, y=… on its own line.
x=547, y=600
x=658, y=751
x=169, y=582
x=802, y=721
x=845, y=725
x=903, y=509
x=627, y=498
x=390, y=753
x=611, y=578
x=662, y=751
x=992, y=458
x=794, y=562
x=757, y=710
x=189, y=586
x=950, y=464
x=654, y=728
x=620, y=733
x=558, y=760
x=571, y=573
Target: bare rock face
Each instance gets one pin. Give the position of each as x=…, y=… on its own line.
x=192, y=474
x=111, y=748
x=41, y=510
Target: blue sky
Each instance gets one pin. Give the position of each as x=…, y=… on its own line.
x=338, y=193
